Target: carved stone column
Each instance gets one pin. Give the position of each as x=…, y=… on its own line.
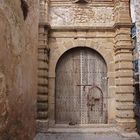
x=43, y=60
x=124, y=67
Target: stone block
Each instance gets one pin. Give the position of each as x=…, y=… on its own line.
x=125, y=89
x=111, y=91
x=124, y=97
x=125, y=105
x=124, y=65
x=42, y=106
x=125, y=31
x=42, y=89
x=125, y=114
x=124, y=43
x=43, y=72
x=111, y=81
x=124, y=73
x=127, y=125
x=124, y=81
x=121, y=37
x=111, y=67
x=42, y=82
x=42, y=98
x=42, y=64
x=42, y=114
x=111, y=74
x=51, y=99
x=42, y=125
x=111, y=109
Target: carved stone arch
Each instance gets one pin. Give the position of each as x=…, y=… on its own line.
x=107, y=56
x=92, y=48
x=60, y=49
x=80, y=66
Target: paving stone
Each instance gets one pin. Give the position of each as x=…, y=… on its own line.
x=80, y=136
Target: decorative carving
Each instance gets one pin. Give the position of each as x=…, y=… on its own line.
x=81, y=15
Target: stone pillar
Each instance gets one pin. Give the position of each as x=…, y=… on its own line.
x=124, y=80
x=122, y=12
x=43, y=62
x=124, y=67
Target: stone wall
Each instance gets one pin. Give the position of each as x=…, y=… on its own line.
x=18, y=69
x=137, y=10
x=124, y=67
x=103, y=26
x=102, y=42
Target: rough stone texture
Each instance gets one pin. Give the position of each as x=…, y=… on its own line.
x=4, y=106
x=102, y=26
x=137, y=10
x=81, y=15
x=123, y=62
x=18, y=55
x=82, y=136
x=70, y=24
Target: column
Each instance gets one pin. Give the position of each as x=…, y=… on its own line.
x=43, y=67
x=124, y=67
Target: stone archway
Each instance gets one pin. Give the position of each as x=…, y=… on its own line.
x=57, y=50
x=76, y=101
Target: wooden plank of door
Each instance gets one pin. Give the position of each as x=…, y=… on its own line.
x=67, y=93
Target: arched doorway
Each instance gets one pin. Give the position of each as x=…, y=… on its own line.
x=81, y=88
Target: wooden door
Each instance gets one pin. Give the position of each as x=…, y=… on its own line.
x=81, y=88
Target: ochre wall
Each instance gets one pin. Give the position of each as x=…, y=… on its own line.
x=18, y=70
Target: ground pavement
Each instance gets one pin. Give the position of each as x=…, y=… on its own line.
x=103, y=132
x=82, y=136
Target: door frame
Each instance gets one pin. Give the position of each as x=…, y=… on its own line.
x=51, y=78
x=64, y=62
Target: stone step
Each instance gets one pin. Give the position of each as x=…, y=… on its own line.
x=84, y=126
x=84, y=129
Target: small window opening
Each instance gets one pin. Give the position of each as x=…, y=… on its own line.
x=25, y=8
x=82, y=1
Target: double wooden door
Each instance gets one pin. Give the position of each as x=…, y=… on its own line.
x=81, y=88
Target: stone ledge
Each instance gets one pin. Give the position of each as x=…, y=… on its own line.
x=132, y=135
x=85, y=129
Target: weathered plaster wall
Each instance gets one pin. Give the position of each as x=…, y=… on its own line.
x=18, y=62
